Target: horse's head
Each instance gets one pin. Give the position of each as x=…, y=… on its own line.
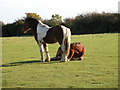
x=29, y=23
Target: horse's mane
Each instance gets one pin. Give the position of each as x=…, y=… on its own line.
x=43, y=25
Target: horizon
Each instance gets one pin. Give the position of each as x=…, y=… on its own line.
x=13, y=10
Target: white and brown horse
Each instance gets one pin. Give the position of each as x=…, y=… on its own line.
x=47, y=35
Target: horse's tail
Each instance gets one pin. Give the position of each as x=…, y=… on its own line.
x=67, y=45
x=66, y=40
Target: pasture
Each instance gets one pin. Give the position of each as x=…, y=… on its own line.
x=99, y=69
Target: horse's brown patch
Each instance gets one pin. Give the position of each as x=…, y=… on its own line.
x=54, y=35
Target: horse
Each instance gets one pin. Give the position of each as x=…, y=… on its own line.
x=45, y=35
x=77, y=51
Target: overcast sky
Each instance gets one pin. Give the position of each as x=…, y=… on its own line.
x=10, y=10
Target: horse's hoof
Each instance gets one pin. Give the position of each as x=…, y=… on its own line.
x=81, y=58
x=47, y=60
x=42, y=60
x=63, y=60
x=68, y=60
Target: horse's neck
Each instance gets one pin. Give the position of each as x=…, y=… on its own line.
x=42, y=30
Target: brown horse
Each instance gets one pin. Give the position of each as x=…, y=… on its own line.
x=47, y=35
x=77, y=51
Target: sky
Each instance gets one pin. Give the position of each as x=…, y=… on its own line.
x=11, y=10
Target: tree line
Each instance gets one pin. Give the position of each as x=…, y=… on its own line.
x=90, y=23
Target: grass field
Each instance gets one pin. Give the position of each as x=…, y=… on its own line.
x=99, y=69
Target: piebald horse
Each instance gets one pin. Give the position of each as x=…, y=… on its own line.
x=47, y=35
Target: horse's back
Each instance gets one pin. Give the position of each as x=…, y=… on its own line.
x=54, y=34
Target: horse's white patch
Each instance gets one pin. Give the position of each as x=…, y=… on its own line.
x=66, y=31
x=42, y=30
x=41, y=52
x=47, y=54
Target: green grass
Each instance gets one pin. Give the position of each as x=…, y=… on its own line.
x=99, y=69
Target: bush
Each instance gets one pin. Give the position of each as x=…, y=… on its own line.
x=95, y=23
x=90, y=23
x=14, y=29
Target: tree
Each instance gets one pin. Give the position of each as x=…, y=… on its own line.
x=33, y=15
x=55, y=20
x=68, y=22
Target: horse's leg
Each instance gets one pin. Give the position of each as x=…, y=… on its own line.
x=59, y=52
x=41, y=52
x=81, y=58
x=65, y=48
x=46, y=51
x=71, y=54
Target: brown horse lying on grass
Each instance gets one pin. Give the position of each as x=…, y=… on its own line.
x=77, y=51
x=47, y=35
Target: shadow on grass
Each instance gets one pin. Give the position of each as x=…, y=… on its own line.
x=55, y=61
x=28, y=62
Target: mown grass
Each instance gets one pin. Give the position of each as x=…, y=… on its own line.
x=99, y=69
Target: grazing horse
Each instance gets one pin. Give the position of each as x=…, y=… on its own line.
x=47, y=35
